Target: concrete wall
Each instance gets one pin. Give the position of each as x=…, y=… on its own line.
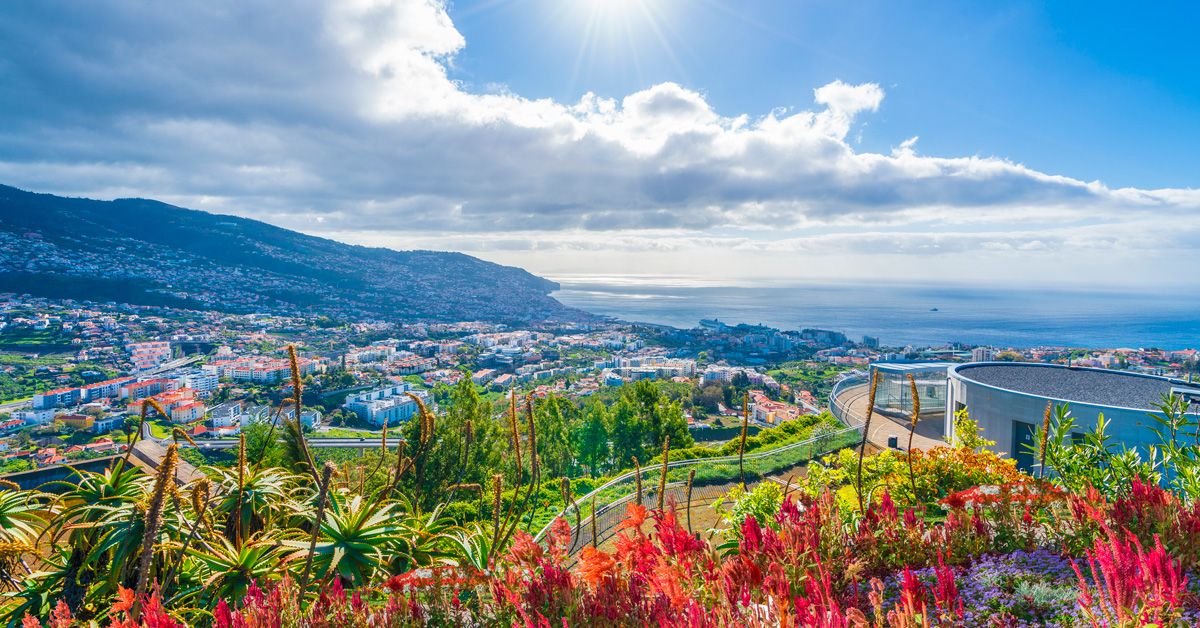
x=996, y=409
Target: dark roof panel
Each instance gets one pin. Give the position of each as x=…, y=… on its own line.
x=1080, y=385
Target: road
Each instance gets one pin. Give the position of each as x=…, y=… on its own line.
x=337, y=443
x=15, y=405
x=326, y=428
x=815, y=409
x=173, y=364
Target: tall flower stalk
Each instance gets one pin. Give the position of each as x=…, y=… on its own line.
x=912, y=428
x=322, y=494
x=662, y=479
x=637, y=475
x=691, y=479
x=742, y=443
x=164, y=481
x=1045, y=437
x=862, y=448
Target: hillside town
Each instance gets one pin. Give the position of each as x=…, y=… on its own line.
x=144, y=252
x=73, y=374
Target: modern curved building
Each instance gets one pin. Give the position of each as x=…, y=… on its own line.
x=1008, y=399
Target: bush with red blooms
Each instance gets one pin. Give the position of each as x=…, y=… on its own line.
x=811, y=567
x=128, y=611
x=788, y=574
x=1130, y=585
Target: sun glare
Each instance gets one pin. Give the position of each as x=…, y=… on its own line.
x=611, y=5
x=625, y=29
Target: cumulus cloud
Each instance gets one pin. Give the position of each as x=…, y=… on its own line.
x=342, y=117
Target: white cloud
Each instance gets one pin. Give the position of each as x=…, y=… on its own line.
x=341, y=116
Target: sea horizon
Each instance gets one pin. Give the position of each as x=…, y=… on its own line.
x=903, y=314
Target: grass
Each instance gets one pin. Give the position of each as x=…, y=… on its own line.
x=336, y=400
x=160, y=427
x=10, y=359
x=338, y=433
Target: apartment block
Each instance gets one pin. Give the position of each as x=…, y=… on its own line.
x=390, y=404
x=147, y=355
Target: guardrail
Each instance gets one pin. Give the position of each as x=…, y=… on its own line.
x=842, y=411
x=614, y=490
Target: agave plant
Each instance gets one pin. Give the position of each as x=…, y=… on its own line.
x=21, y=516
x=253, y=500
x=353, y=539
x=471, y=547
x=359, y=541
x=422, y=538
x=85, y=515
x=98, y=532
x=227, y=572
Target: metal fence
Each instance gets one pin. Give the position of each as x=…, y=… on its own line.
x=608, y=516
x=619, y=490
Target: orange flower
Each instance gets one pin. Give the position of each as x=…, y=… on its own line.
x=635, y=516
x=667, y=583
x=594, y=565
x=125, y=602
x=559, y=539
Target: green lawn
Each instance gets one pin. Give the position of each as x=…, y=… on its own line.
x=337, y=433
x=160, y=428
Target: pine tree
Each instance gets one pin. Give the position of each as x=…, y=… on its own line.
x=646, y=398
x=553, y=439
x=626, y=431
x=593, y=437
x=675, y=427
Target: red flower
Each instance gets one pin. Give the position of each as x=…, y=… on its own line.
x=524, y=549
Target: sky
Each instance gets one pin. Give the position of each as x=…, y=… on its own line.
x=706, y=141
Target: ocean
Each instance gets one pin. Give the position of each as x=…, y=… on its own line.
x=913, y=314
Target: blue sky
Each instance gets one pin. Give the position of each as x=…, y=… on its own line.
x=1090, y=90
x=701, y=140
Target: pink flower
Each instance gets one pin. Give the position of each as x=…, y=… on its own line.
x=61, y=617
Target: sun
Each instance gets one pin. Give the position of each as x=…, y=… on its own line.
x=611, y=5
x=625, y=29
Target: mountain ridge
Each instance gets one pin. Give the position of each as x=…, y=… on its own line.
x=231, y=263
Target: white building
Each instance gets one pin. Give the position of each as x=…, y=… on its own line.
x=310, y=418
x=226, y=414
x=389, y=403
x=108, y=423
x=982, y=354
x=34, y=416
x=147, y=355
x=201, y=382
